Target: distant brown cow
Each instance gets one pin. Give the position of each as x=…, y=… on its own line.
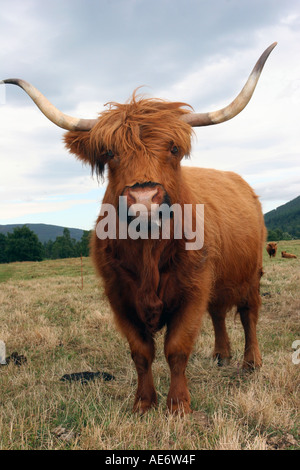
x=157, y=282
x=284, y=254
x=272, y=249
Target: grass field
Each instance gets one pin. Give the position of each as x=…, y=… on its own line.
x=62, y=328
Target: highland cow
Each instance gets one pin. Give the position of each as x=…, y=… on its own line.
x=152, y=283
x=271, y=249
x=284, y=254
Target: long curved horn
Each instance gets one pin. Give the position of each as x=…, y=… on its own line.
x=51, y=112
x=238, y=104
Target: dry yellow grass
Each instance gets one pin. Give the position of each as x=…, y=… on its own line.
x=61, y=328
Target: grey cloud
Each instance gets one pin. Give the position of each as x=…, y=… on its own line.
x=284, y=189
x=119, y=45
x=101, y=50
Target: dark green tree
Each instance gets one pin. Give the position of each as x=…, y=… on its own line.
x=277, y=235
x=63, y=247
x=3, y=249
x=83, y=247
x=48, y=249
x=23, y=245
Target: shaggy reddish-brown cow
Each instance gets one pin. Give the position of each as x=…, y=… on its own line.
x=284, y=254
x=271, y=249
x=152, y=283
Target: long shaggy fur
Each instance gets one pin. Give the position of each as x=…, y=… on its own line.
x=152, y=283
x=137, y=126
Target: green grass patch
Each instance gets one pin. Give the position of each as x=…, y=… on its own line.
x=6, y=272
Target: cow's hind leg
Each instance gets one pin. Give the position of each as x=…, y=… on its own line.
x=222, y=343
x=249, y=311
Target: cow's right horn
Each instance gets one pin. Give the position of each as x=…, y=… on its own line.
x=51, y=112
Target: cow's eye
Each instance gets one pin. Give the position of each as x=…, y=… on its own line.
x=174, y=149
x=110, y=154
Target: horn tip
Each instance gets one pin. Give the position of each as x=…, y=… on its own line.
x=13, y=81
x=271, y=47
x=274, y=44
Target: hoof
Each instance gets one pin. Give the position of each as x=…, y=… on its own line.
x=251, y=366
x=141, y=407
x=179, y=408
x=222, y=361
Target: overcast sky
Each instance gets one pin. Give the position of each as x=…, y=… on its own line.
x=83, y=53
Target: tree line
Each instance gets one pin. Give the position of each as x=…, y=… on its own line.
x=285, y=220
x=277, y=234
x=23, y=245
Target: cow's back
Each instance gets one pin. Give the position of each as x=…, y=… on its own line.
x=234, y=230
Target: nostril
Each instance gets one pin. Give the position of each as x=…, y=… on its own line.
x=155, y=197
x=131, y=199
x=158, y=196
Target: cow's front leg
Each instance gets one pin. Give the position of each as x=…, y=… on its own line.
x=145, y=397
x=181, y=334
x=178, y=400
x=142, y=352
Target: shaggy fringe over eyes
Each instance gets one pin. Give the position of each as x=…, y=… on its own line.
x=140, y=125
x=147, y=125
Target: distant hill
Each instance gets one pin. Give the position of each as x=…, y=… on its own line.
x=44, y=232
x=285, y=218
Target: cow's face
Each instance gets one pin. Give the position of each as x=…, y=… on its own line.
x=142, y=144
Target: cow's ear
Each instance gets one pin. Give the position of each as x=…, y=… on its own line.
x=79, y=143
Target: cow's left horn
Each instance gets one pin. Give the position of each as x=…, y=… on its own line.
x=51, y=112
x=237, y=105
